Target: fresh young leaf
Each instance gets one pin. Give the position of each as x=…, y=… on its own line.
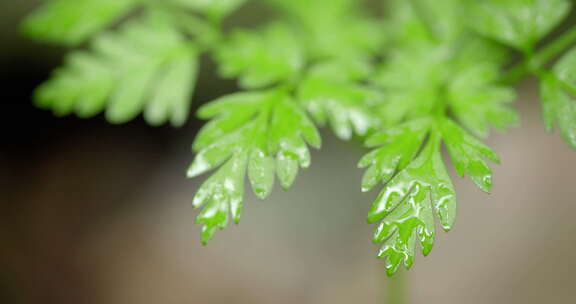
x=559, y=108
x=334, y=28
x=416, y=183
x=430, y=74
x=263, y=131
x=405, y=206
x=146, y=67
x=411, y=81
x=407, y=69
x=565, y=69
x=558, y=89
x=518, y=23
x=221, y=195
x=397, y=147
x=72, y=22
x=478, y=102
x=330, y=94
x=425, y=24
x=262, y=58
x=424, y=80
x=468, y=154
x=212, y=8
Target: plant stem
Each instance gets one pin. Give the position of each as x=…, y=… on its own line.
x=541, y=57
x=396, y=289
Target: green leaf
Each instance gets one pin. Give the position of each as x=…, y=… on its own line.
x=559, y=108
x=411, y=80
x=221, y=195
x=72, y=22
x=565, y=69
x=406, y=205
x=477, y=50
x=558, y=89
x=407, y=159
x=518, y=23
x=330, y=95
x=468, y=154
x=397, y=147
x=334, y=28
x=478, y=102
x=262, y=132
x=212, y=8
x=146, y=67
x=442, y=19
x=414, y=68
x=259, y=59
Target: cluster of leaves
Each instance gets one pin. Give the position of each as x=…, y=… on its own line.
x=291, y=80
x=431, y=74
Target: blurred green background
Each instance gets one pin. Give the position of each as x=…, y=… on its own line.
x=94, y=213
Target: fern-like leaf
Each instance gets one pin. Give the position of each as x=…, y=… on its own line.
x=558, y=89
x=331, y=94
x=417, y=184
x=469, y=155
x=262, y=132
x=146, y=67
x=518, y=23
x=72, y=22
x=479, y=102
x=214, y=10
x=270, y=56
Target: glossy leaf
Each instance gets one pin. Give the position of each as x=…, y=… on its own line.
x=146, y=67
x=72, y=22
x=407, y=205
x=397, y=147
x=428, y=73
x=263, y=133
x=468, y=154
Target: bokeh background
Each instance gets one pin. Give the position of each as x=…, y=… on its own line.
x=92, y=213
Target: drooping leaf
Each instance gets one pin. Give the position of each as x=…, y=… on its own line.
x=468, y=154
x=435, y=82
x=408, y=201
x=147, y=67
x=262, y=132
x=72, y=22
x=407, y=160
x=395, y=149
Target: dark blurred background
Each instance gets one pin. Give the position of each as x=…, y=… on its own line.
x=93, y=213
